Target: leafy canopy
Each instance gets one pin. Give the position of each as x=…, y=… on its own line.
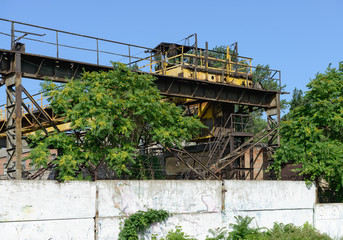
x=313, y=135
x=114, y=115
x=296, y=101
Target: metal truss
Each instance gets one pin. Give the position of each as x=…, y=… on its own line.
x=16, y=63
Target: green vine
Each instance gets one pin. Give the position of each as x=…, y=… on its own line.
x=139, y=222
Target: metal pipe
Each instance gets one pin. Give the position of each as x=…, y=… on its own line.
x=12, y=35
x=129, y=57
x=196, y=55
x=206, y=60
x=97, y=51
x=57, y=42
x=150, y=62
x=182, y=63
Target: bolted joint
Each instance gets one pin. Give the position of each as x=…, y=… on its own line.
x=18, y=47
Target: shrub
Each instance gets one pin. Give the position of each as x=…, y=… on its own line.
x=292, y=232
x=241, y=229
x=177, y=235
x=218, y=234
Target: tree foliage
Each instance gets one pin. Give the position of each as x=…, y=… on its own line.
x=262, y=76
x=177, y=234
x=296, y=101
x=146, y=167
x=313, y=135
x=114, y=116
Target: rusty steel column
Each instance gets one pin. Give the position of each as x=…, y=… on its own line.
x=279, y=111
x=10, y=122
x=18, y=115
x=278, y=118
x=14, y=116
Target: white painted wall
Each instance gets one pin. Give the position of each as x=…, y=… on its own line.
x=47, y=210
x=52, y=210
x=329, y=219
x=194, y=205
x=60, y=229
x=269, y=201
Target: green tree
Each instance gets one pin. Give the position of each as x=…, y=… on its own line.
x=262, y=75
x=220, y=52
x=313, y=135
x=296, y=101
x=115, y=116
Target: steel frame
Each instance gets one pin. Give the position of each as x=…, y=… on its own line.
x=16, y=63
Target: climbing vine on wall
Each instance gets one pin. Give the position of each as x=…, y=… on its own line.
x=141, y=221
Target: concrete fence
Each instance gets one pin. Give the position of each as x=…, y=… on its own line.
x=94, y=210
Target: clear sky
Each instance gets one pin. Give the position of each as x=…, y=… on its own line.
x=300, y=37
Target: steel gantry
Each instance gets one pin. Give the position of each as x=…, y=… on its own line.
x=186, y=72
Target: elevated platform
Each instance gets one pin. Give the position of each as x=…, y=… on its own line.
x=62, y=70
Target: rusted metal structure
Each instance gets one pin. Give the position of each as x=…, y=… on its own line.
x=195, y=77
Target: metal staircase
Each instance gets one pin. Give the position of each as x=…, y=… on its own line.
x=222, y=157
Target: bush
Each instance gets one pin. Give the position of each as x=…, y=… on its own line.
x=292, y=232
x=242, y=231
x=177, y=235
x=218, y=234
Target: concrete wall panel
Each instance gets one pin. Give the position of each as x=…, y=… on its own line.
x=52, y=210
x=194, y=224
x=108, y=228
x=268, y=195
x=126, y=197
x=329, y=219
x=38, y=200
x=75, y=229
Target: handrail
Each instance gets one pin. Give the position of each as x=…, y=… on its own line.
x=75, y=34
x=197, y=58
x=31, y=107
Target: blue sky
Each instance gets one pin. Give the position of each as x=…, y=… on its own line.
x=300, y=38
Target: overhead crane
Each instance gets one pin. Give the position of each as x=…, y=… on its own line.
x=207, y=83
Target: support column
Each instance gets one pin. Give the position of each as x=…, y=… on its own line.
x=14, y=118
x=18, y=115
x=10, y=123
x=278, y=117
x=272, y=123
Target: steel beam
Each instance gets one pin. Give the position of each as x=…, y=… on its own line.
x=62, y=70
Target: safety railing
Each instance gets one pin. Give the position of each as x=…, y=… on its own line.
x=39, y=98
x=241, y=122
x=160, y=62
x=64, y=44
x=24, y=32
x=225, y=64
